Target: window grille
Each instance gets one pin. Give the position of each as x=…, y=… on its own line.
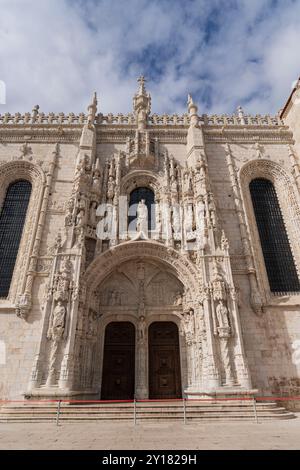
x=12, y=220
x=280, y=266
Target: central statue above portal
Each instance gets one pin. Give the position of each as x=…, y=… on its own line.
x=142, y=104
x=142, y=218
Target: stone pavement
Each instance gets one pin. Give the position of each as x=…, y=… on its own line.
x=109, y=436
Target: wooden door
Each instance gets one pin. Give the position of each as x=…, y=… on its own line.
x=164, y=361
x=118, y=362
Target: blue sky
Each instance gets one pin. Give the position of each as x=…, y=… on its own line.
x=226, y=53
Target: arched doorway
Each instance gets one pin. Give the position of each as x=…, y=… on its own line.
x=118, y=362
x=164, y=361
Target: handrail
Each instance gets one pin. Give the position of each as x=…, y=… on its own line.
x=166, y=400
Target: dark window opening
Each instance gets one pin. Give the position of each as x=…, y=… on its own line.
x=12, y=220
x=280, y=266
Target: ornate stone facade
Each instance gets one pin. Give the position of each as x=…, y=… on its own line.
x=200, y=266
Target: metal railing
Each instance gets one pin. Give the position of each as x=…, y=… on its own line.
x=57, y=404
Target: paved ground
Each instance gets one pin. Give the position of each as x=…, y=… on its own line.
x=271, y=435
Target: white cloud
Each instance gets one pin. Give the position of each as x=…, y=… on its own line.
x=226, y=52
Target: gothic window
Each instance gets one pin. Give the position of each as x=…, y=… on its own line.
x=280, y=266
x=136, y=196
x=12, y=220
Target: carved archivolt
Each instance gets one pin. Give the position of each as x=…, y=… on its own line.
x=14, y=171
x=138, y=178
x=107, y=262
x=288, y=198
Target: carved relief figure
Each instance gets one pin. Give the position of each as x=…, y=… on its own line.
x=57, y=322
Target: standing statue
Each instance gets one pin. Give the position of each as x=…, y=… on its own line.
x=142, y=329
x=222, y=315
x=110, y=188
x=142, y=217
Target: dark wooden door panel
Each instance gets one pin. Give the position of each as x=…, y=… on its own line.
x=164, y=361
x=119, y=361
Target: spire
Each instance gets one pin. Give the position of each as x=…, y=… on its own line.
x=192, y=109
x=241, y=114
x=142, y=104
x=141, y=81
x=92, y=110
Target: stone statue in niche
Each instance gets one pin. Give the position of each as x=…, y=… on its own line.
x=142, y=217
x=222, y=315
x=142, y=329
x=110, y=188
x=178, y=300
x=57, y=322
x=69, y=214
x=62, y=281
x=80, y=218
x=200, y=179
x=200, y=214
x=218, y=284
x=188, y=324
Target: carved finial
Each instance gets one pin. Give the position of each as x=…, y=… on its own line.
x=92, y=109
x=35, y=113
x=192, y=109
x=190, y=100
x=224, y=242
x=241, y=114
x=141, y=81
x=142, y=104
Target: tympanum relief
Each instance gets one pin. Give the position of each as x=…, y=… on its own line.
x=137, y=282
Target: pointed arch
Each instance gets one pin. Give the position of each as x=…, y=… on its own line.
x=105, y=263
x=285, y=192
x=11, y=172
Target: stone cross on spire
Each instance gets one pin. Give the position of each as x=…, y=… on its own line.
x=142, y=104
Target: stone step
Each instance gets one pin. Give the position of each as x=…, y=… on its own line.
x=145, y=411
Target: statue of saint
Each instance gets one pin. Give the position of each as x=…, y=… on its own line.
x=142, y=217
x=222, y=315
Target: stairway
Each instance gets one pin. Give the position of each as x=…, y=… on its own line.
x=150, y=411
